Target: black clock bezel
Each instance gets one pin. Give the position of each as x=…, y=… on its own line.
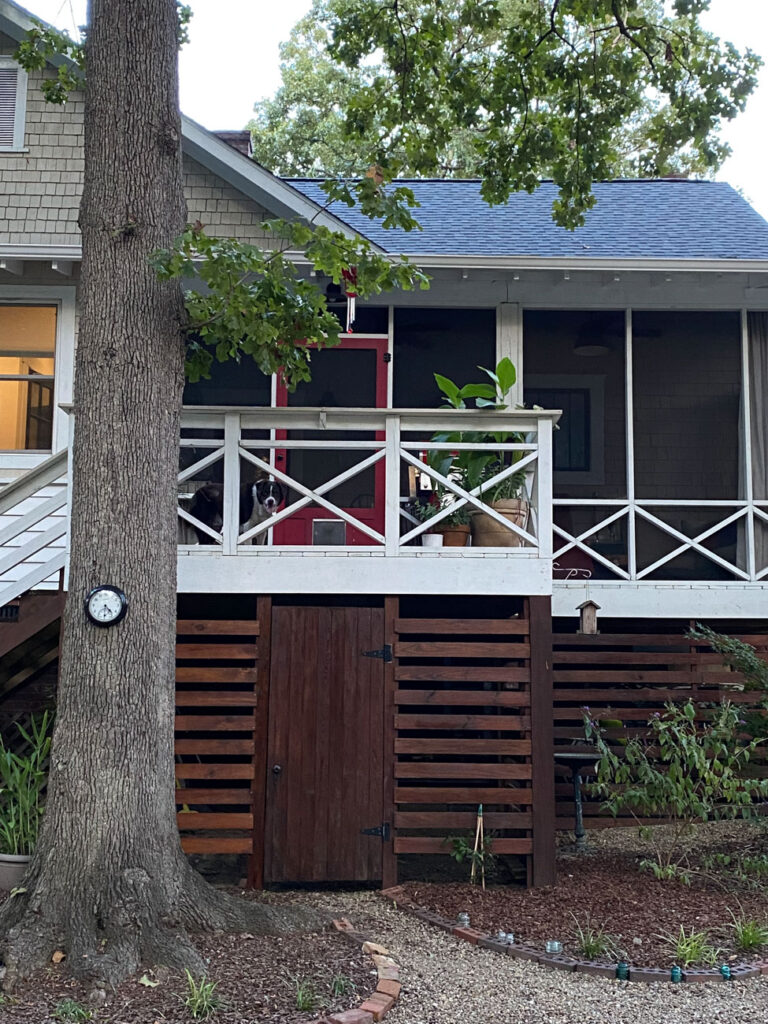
x=123, y=605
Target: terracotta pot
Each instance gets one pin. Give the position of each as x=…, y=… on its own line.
x=12, y=868
x=487, y=533
x=455, y=536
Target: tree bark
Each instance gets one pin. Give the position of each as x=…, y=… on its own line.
x=109, y=884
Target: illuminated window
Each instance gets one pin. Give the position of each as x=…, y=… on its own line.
x=27, y=345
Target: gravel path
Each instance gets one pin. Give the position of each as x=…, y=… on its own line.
x=446, y=981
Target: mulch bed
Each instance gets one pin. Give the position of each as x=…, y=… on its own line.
x=257, y=980
x=606, y=889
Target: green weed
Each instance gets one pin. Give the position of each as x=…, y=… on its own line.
x=691, y=948
x=201, y=1000
x=341, y=986
x=748, y=933
x=70, y=1010
x=593, y=942
x=307, y=996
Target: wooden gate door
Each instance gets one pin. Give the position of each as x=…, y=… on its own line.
x=325, y=753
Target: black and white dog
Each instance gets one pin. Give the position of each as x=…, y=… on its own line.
x=258, y=501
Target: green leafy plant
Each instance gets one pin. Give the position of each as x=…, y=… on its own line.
x=683, y=771
x=743, y=658
x=23, y=778
x=70, y=1010
x=481, y=860
x=307, y=996
x=201, y=999
x=592, y=941
x=748, y=934
x=341, y=986
x=691, y=948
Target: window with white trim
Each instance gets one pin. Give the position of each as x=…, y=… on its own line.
x=13, y=105
x=27, y=349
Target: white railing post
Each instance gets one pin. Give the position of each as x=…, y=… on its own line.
x=68, y=485
x=231, y=517
x=544, y=486
x=392, y=488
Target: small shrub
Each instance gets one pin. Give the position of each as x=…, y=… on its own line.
x=307, y=997
x=482, y=859
x=749, y=934
x=592, y=942
x=341, y=986
x=70, y=1010
x=201, y=999
x=692, y=948
x=684, y=771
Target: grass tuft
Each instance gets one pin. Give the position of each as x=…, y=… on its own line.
x=201, y=1001
x=691, y=948
x=748, y=933
x=71, y=1010
x=592, y=941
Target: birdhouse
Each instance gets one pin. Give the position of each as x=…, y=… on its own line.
x=588, y=617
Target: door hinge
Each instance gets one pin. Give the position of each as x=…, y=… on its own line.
x=377, y=830
x=385, y=653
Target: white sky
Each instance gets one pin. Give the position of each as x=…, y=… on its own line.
x=232, y=61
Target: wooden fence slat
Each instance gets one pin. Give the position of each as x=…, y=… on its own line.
x=215, y=723
x=467, y=698
x=219, y=674
x=647, y=677
x=502, y=795
x=201, y=821
x=457, y=627
x=214, y=771
x=484, y=723
x=223, y=652
x=194, y=795
x=217, y=844
x=461, y=745
x=465, y=820
x=460, y=770
x=467, y=649
x=216, y=627
x=235, y=748
x=197, y=699
x=462, y=674
x=431, y=844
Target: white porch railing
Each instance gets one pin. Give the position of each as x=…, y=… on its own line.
x=631, y=560
x=232, y=453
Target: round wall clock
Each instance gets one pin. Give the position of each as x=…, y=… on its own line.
x=106, y=605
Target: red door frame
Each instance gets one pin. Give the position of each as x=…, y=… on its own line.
x=373, y=517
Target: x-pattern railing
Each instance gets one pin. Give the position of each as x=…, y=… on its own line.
x=234, y=446
x=745, y=513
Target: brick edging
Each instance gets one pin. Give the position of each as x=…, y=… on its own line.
x=560, y=962
x=378, y=1004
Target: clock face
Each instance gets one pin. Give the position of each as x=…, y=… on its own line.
x=106, y=605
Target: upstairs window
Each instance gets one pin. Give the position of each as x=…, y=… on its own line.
x=27, y=346
x=13, y=103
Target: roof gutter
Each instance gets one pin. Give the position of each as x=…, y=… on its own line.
x=465, y=262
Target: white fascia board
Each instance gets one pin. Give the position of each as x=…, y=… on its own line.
x=24, y=251
x=255, y=181
x=465, y=262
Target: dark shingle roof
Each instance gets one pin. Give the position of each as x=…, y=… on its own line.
x=643, y=219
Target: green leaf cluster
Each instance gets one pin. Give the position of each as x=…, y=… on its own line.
x=683, y=772
x=556, y=87
x=23, y=779
x=248, y=301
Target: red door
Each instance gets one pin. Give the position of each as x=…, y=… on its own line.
x=350, y=375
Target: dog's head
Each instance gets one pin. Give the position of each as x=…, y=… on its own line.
x=269, y=494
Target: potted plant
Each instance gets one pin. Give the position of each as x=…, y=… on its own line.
x=477, y=467
x=430, y=538
x=23, y=778
x=455, y=528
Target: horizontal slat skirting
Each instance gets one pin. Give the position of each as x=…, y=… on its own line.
x=462, y=674
x=468, y=649
x=216, y=627
x=214, y=771
x=638, y=658
x=461, y=745
x=215, y=723
x=502, y=795
x=193, y=795
x=228, y=747
x=193, y=821
x=217, y=844
x=433, y=844
x=561, y=640
x=485, y=723
x=190, y=674
x=199, y=699
x=457, y=627
x=219, y=652
x=462, y=819
x=456, y=770
x=607, y=696
x=566, y=823
x=481, y=698
x=649, y=677
x=623, y=714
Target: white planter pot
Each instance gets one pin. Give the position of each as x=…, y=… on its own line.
x=431, y=540
x=12, y=869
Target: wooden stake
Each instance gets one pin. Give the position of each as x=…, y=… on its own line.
x=482, y=844
x=478, y=824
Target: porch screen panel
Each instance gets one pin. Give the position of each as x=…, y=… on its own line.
x=687, y=383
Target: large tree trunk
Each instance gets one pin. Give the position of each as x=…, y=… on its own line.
x=109, y=883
